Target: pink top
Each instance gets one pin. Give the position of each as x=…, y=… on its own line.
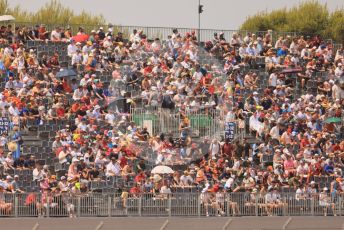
x=289, y=164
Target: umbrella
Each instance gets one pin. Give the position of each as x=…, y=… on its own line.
x=161, y=169
x=292, y=70
x=333, y=120
x=3, y=184
x=66, y=73
x=80, y=38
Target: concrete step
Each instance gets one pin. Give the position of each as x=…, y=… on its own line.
x=32, y=143
x=28, y=133
x=31, y=138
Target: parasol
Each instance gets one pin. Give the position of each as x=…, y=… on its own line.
x=291, y=70
x=162, y=169
x=66, y=73
x=333, y=120
x=80, y=38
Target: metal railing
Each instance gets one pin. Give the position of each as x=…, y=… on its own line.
x=206, y=122
x=175, y=204
x=161, y=32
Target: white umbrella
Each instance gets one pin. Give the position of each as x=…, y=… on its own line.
x=162, y=169
x=3, y=184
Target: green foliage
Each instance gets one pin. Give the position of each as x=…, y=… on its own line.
x=51, y=13
x=335, y=27
x=309, y=17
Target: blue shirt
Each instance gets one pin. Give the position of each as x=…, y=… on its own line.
x=281, y=52
x=328, y=168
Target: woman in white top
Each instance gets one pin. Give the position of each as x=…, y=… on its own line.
x=324, y=200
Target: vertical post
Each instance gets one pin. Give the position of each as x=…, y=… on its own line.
x=109, y=205
x=16, y=205
x=48, y=207
x=78, y=207
x=312, y=206
x=169, y=205
x=284, y=210
x=199, y=21
x=140, y=206
x=340, y=204
x=199, y=206
x=228, y=205
x=256, y=205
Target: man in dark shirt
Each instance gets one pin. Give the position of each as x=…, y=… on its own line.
x=19, y=163
x=30, y=162
x=119, y=37
x=82, y=165
x=94, y=173
x=36, y=32
x=266, y=102
x=141, y=165
x=227, y=149
x=101, y=33
x=204, y=146
x=143, y=134
x=54, y=61
x=247, y=148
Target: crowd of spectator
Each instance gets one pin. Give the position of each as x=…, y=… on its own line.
x=300, y=132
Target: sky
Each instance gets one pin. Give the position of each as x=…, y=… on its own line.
x=218, y=14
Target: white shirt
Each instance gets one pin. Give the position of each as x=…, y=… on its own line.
x=302, y=169
x=55, y=36
x=77, y=95
x=186, y=180
x=76, y=58
x=214, y=149
x=159, y=159
x=229, y=183
x=338, y=72
x=13, y=111
x=71, y=49
x=273, y=80
x=110, y=118
x=113, y=168
x=165, y=190
x=274, y=132
x=299, y=194
x=37, y=174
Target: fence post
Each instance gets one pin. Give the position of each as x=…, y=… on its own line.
x=228, y=205
x=140, y=206
x=284, y=206
x=169, y=205
x=48, y=207
x=199, y=206
x=109, y=205
x=340, y=204
x=16, y=205
x=256, y=205
x=312, y=206
x=78, y=212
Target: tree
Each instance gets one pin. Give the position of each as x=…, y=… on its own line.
x=335, y=27
x=52, y=12
x=309, y=17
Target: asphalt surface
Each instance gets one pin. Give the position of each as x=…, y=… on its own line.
x=149, y=223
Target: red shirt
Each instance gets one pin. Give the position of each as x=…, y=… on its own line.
x=60, y=112
x=227, y=149
x=140, y=177
x=135, y=190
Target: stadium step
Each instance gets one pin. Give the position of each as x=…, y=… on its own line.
x=32, y=143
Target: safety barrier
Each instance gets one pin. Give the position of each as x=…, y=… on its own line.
x=161, y=32
x=174, y=204
x=202, y=122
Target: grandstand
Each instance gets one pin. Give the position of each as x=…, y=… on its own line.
x=91, y=139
